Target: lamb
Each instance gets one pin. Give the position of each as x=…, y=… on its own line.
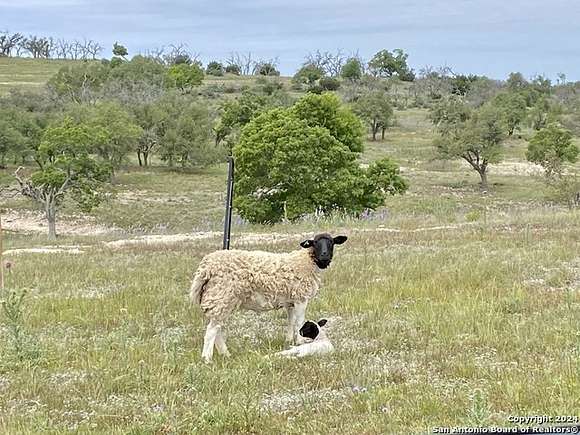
x=319, y=345
x=229, y=280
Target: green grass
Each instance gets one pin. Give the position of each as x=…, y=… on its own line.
x=447, y=307
x=22, y=73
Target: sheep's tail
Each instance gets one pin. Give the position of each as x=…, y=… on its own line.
x=197, y=286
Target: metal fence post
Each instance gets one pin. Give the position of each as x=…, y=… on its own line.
x=229, y=202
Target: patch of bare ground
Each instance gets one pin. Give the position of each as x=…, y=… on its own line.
x=46, y=250
x=27, y=221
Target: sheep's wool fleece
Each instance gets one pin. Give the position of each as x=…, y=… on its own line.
x=256, y=280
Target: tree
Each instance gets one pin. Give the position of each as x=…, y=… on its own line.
x=182, y=130
x=516, y=82
x=513, y=109
x=387, y=64
x=233, y=69
x=214, y=68
x=266, y=68
x=236, y=113
x=352, y=70
x=302, y=159
x=551, y=147
x=79, y=83
x=309, y=74
x=120, y=133
x=184, y=77
x=120, y=50
x=11, y=141
x=375, y=108
x=474, y=136
x=66, y=167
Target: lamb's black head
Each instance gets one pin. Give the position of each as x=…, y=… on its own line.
x=322, y=248
x=312, y=329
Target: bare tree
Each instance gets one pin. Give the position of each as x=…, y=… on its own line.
x=9, y=43
x=330, y=63
x=38, y=47
x=93, y=49
x=244, y=61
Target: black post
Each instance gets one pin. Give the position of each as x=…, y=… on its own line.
x=229, y=200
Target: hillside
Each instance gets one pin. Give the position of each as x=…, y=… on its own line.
x=27, y=73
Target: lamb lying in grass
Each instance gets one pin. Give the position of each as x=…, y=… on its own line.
x=319, y=345
x=226, y=281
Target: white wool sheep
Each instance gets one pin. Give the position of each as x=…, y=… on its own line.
x=259, y=281
x=319, y=345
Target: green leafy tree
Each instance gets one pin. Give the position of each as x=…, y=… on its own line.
x=327, y=111
x=295, y=161
x=376, y=110
x=184, y=77
x=329, y=83
x=238, y=112
x=516, y=82
x=79, y=83
x=214, y=68
x=120, y=50
x=551, y=147
x=543, y=113
x=266, y=69
x=11, y=141
x=66, y=167
x=513, y=110
x=140, y=69
x=474, y=136
x=121, y=133
x=184, y=133
x=309, y=74
x=352, y=70
x=387, y=64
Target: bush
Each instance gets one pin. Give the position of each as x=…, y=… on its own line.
x=300, y=160
x=233, y=69
x=214, y=69
x=329, y=84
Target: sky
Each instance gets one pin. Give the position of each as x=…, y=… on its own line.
x=490, y=37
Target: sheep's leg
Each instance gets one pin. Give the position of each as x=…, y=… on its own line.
x=299, y=316
x=220, y=343
x=213, y=329
x=290, y=331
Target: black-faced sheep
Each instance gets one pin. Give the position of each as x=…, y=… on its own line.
x=226, y=281
x=319, y=345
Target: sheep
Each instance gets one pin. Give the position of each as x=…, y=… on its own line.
x=228, y=280
x=319, y=345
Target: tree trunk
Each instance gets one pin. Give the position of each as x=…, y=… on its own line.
x=139, y=158
x=146, y=158
x=483, y=176
x=51, y=218
x=383, y=133
x=375, y=129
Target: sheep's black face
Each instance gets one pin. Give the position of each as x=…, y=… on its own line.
x=312, y=329
x=322, y=248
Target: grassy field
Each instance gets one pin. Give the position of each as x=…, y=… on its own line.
x=22, y=73
x=447, y=307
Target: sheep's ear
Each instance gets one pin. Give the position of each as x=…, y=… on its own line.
x=322, y=322
x=307, y=243
x=339, y=240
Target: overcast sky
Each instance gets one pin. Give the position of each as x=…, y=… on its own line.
x=491, y=37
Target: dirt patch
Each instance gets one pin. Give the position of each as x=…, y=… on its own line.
x=172, y=239
x=35, y=222
x=45, y=250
